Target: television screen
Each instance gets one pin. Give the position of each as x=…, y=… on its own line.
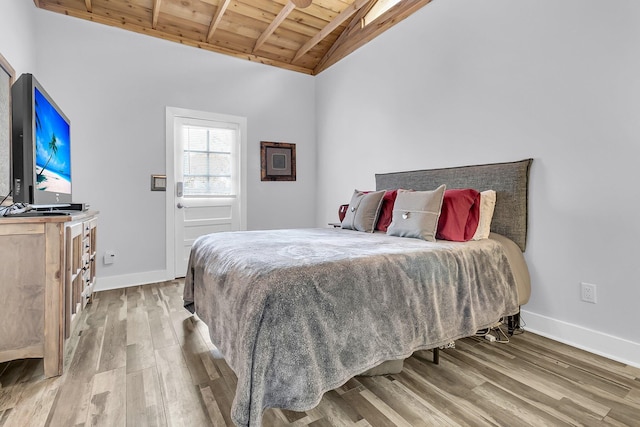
x=41, y=151
x=53, y=156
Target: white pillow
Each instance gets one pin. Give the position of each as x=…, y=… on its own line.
x=487, y=204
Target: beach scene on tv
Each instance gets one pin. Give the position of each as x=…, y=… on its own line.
x=53, y=154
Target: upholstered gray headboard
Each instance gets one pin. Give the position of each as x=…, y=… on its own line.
x=509, y=180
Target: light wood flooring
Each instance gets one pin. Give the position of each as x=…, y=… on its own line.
x=139, y=359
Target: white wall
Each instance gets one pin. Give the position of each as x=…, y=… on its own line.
x=114, y=85
x=17, y=41
x=17, y=47
x=464, y=82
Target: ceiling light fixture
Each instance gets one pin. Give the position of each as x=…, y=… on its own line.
x=301, y=4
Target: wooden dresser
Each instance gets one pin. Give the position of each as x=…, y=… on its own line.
x=47, y=274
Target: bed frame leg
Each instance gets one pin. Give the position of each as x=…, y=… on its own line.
x=436, y=355
x=513, y=323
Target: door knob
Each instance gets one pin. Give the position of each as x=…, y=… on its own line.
x=180, y=205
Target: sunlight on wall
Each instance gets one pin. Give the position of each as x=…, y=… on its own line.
x=378, y=9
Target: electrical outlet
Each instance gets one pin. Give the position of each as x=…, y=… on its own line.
x=109, y=257
x=588, y=292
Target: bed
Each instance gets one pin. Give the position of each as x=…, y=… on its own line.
x=299, y=312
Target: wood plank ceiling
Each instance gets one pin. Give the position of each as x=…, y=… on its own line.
x=307, y=39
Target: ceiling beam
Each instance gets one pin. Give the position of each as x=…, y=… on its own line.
x=286, y=10
x=215, y=22
x=36, y=2
x=156, y=13
x=357, y=36
x=335, y=23
x=353, y=27
x=87, y=3
x=132, y=26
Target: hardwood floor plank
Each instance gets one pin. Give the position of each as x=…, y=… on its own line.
x=332, y=414
x=449, y=409
x=543, y=380
x=136, y=357
x=4, y=415
x=322, y=422
x=367, y=410
x=145, y=406
x=508, y=409
x=433, y=416
x=224, y=398
x=180, y=395
x=455, y=389
x=611, y=383
x=563, y=408
x=350, y=385
x=576, y=356
x=159, y=322
x=114, y=345
x=10, y=392
x=609, y=422
x=611, y=378
x=395, y=418
x=403, y=402
x=584, y=387
x=108, y=398
x=71, y=404
x=36, y=399
x=271, y=418
x=338, y=400
x=633, y=395
x=215, y=414
x=625, y=415
x=226, y=373
x=194, y=349
x=140, y=351
x=451, y=386
x=19, y=372
x=291, y=416
x=72, y=400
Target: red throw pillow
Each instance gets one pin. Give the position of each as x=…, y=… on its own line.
x=386, y=211
x=342, y=211
x=459, y=215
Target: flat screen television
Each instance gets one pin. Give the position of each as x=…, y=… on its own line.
x=41, y=151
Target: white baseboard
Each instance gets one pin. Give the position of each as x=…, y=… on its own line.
x=128, y=280
x=609, y=346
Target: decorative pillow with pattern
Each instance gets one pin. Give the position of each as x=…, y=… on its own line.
x=416, y=213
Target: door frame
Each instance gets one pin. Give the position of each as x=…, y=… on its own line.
x=170, y=200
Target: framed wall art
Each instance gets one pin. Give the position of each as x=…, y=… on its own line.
x=277, y=161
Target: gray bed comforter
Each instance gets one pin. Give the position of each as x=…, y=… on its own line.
x=298, y=312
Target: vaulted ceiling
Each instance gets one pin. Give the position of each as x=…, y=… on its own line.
x=307, y=36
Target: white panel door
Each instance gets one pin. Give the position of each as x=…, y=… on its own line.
x=207, y=191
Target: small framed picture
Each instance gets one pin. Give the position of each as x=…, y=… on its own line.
x=277, y=161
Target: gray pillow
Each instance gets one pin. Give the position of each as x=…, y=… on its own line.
x=416, y=213
x=362, y=213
